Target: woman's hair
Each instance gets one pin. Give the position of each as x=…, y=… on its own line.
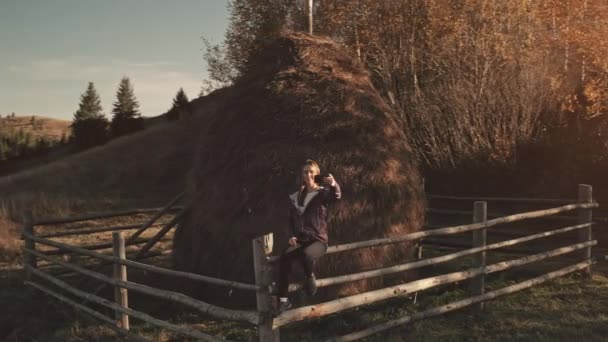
x=315, y=169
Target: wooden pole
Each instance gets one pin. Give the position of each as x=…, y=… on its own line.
x=584, y=216
x=504, y=199
x=161, y=233
x=341, y=304
x=93, y=230
x=88, y=310
x=121, y=296
x=96, y=216
x=107, y=260
x=480, y=215
x=262, y=247
x=460, y=304
x=457, y=229
x=109, y=304
x=205, y=308
x=95, y=247
x=310, y=7
x=28, y=230
x=155, y=218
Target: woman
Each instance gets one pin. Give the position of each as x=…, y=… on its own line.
x=307, y=228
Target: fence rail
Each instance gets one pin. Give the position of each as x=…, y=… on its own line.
x=268, y=323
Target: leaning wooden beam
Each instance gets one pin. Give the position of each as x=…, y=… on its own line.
x=205, y=308
x=441, y=259
x=110, y=259
x=337, y=305
x=93, y=230
x=495, y=215
x=99, y=316
x=161, y=233
x=505, y=199
x=462, y=303
x=448, y=244
x=95, y=216
x=132, y=313
x=458, y=229
x=155, y=217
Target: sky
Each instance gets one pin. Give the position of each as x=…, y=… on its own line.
x=50, y=50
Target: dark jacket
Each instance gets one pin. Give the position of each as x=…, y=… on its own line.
x=312, y=224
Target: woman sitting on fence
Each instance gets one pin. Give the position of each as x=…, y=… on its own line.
x=307, y=227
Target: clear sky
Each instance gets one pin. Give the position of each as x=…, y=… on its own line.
x=51, y=49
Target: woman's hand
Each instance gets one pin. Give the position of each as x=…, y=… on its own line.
x=329, y=180
x=293, y=241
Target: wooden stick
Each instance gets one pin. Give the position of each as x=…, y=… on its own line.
x=448, y=244
x=155, y=217
x=121, y=295
x=336, y=305
x=462, y=303
x=68, y=273
x=262, y=246
x=127, y=311
x=425, y=241
x=92, y=231
x=109, y=259
x=504, y=199
x=98, y=246
x=161, y=233
x=584, y=216
x=27, y=233
x=310, y=7
x=95, y=216
x=85, y=309
x=477, y=285
x=458, y=229
x=436, y=260
x=205, y=308
x=505, y=265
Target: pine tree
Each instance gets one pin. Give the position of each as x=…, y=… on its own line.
x=127, y=118
x=3, y=150
x=180, y=106
x=89, y=126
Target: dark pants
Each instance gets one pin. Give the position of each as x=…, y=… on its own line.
x=307, y=254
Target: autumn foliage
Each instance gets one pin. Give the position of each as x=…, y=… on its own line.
x=474, y=82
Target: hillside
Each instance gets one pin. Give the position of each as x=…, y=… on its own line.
x=36, y=125
x=142, y=169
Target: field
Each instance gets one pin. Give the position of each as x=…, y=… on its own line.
x=569, y=308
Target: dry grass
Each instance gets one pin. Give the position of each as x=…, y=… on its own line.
x=49, y=128
x=140, y=170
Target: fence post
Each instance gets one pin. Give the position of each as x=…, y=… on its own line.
x=28, y=228
x=477, y=286
x=584, y=216
x=310, y=7
x=262, y=247
x=120, y=272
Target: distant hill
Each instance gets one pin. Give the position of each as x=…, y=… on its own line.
x=37, y=126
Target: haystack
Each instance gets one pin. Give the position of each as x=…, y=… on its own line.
x=303, y=97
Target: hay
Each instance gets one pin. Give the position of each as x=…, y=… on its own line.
x=302, y=97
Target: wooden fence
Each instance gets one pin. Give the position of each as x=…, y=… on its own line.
x=263, y=316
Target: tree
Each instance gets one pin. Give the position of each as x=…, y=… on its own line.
x=179, y=107
x=64, y=139
x=89, y=126
x=42, y=145
x=127, y=118
x=3, y=150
